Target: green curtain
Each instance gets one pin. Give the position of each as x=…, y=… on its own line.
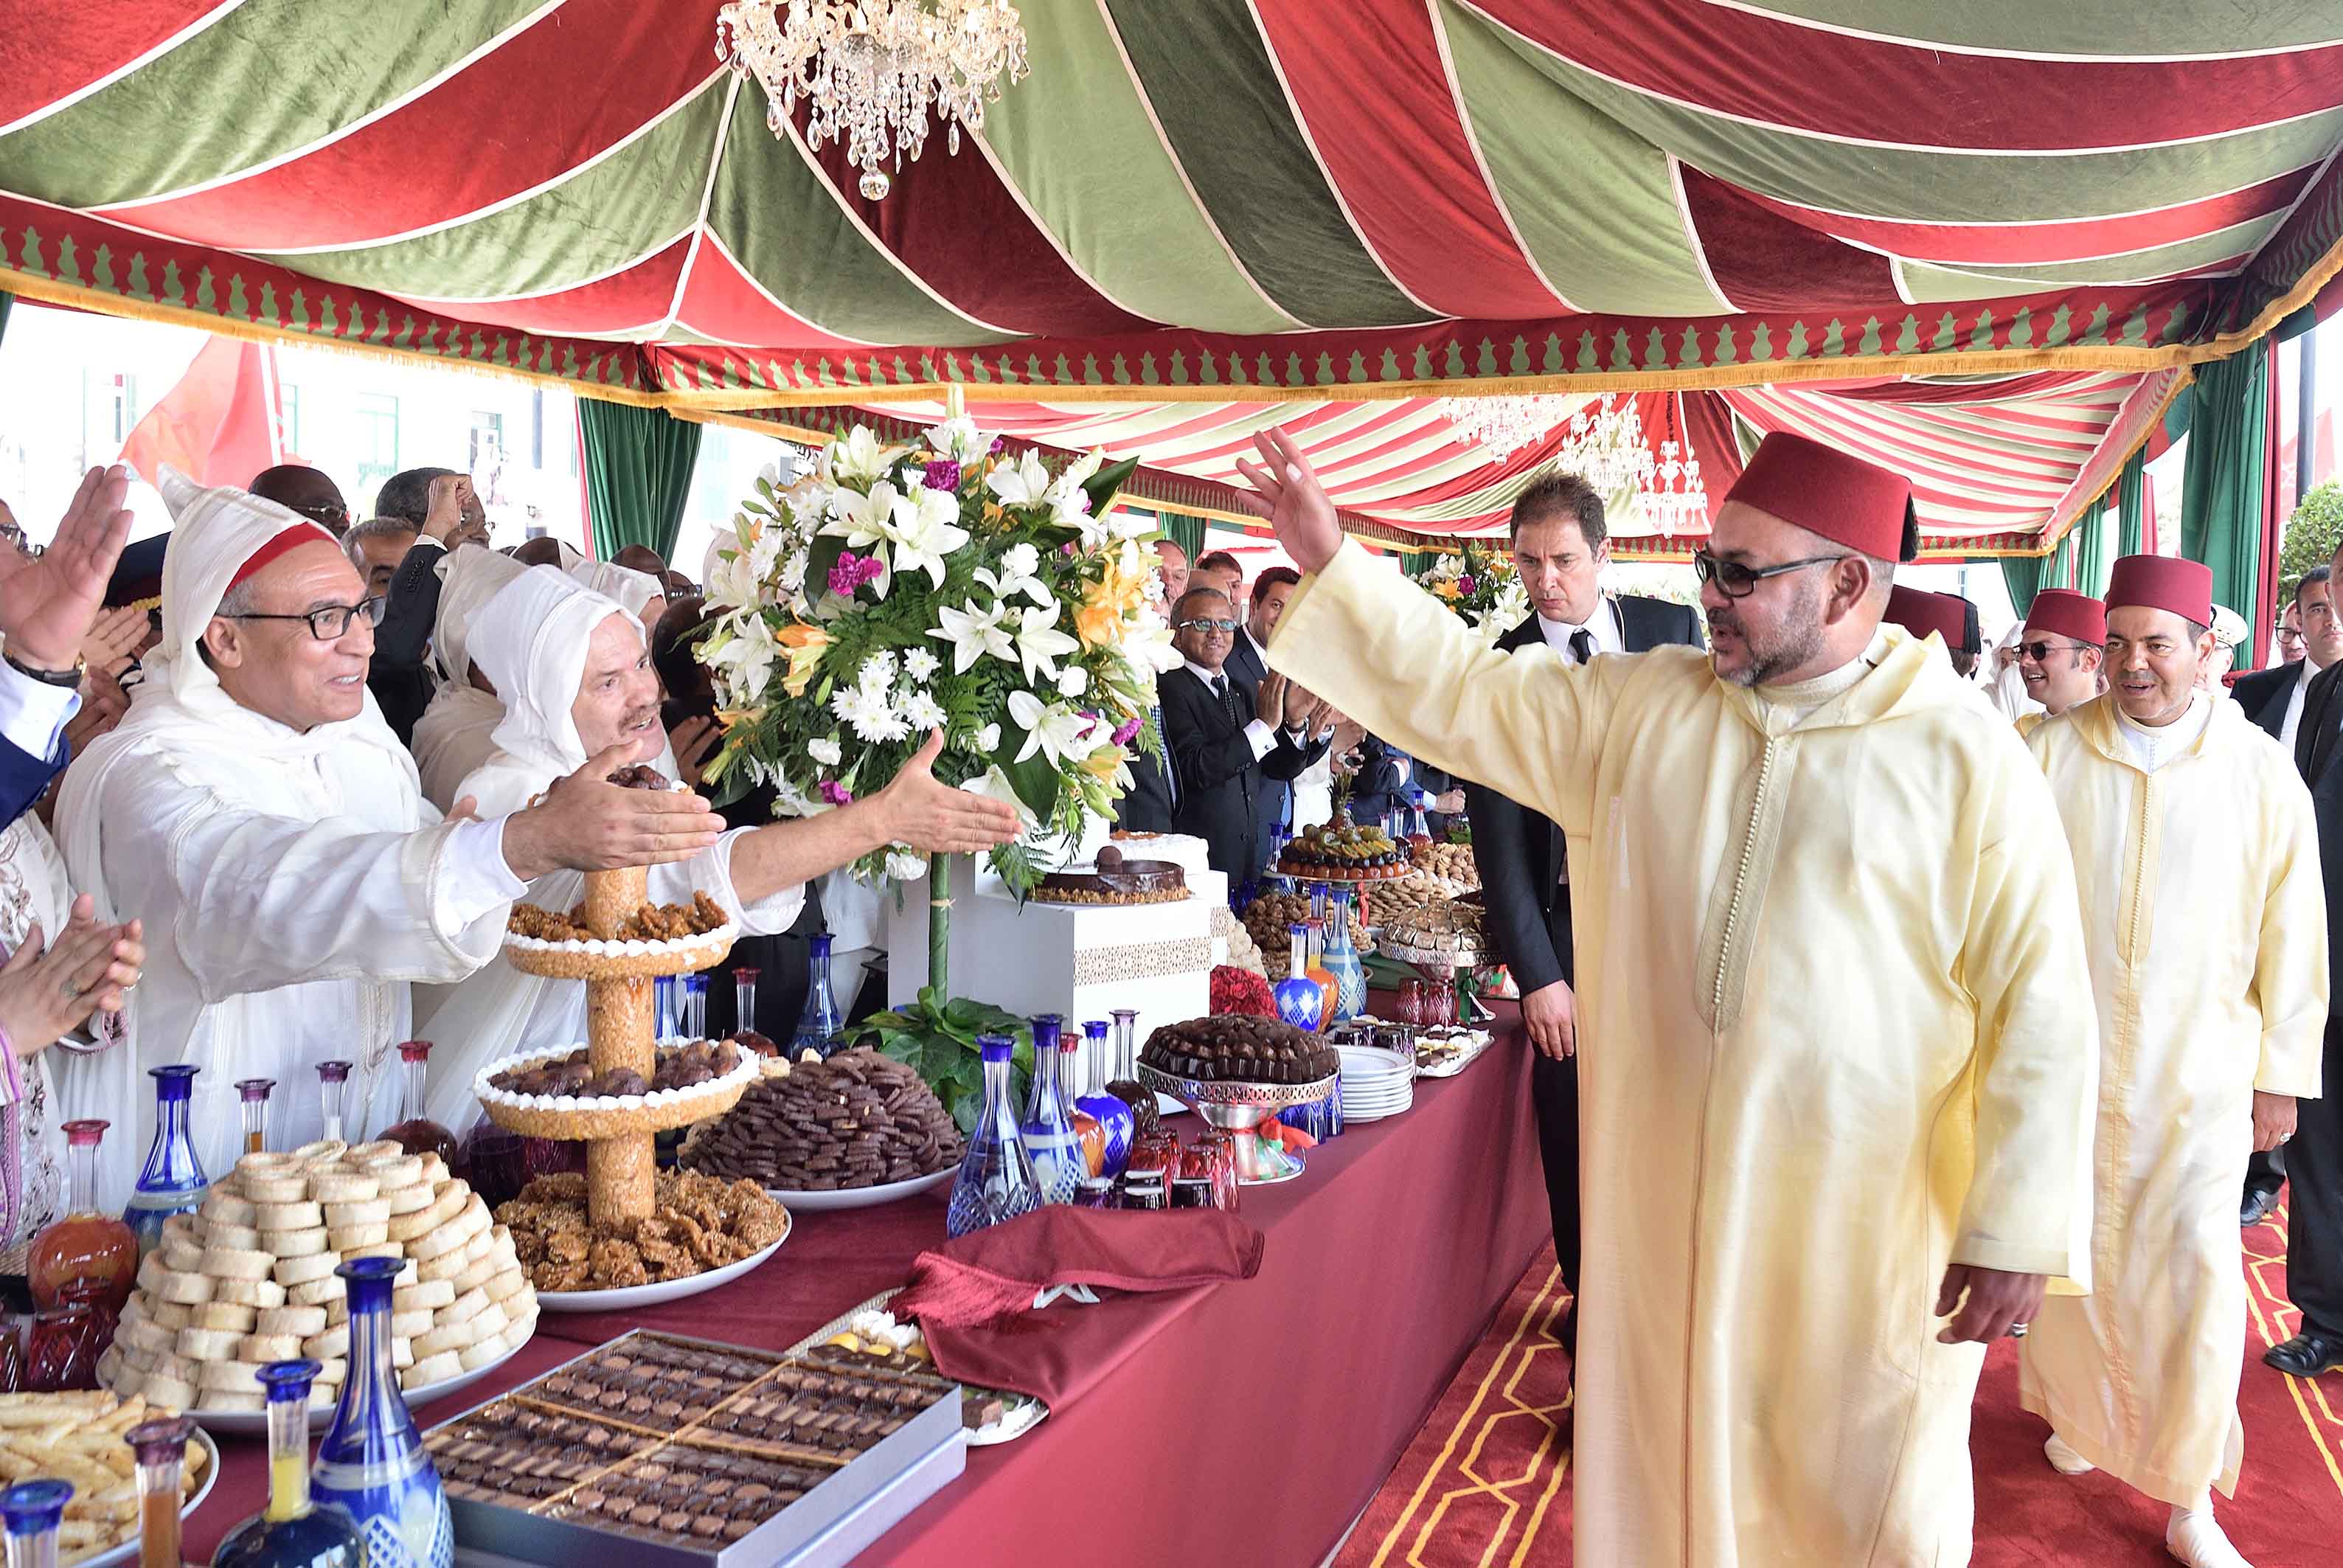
x=2061, y=564
x=638, y=473
x=2131, y=502
x=7, y=299
x=2221, y=488
x=2025, y=575
x=1184, y=530
x=2094, y=555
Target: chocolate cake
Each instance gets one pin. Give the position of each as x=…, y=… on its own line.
x=1237, y=1048
x=1115, y=880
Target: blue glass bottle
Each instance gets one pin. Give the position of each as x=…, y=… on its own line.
x=372, y=1465
x=34, y=1510
x=995, y=1179
x=1340, y=959
x=291, y=1532
x=173, y=1182
x=1048, y=1130
x=1300, y=1000
x=819, y=1023
x=1113, y=1116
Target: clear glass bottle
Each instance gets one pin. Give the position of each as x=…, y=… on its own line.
x=996, y=1179
x=415, y=1131
x=1122, y=1077
x=1300, y=1000
x=1414, y=828
x=255, y=1092
x=173, y=1182
x=666, y=1018
x=333, y=1078
x=819, y=1023
x=292, y=1531
x=1101, y=1104
x=695, y=1007
x=1051, y=1143
x=33, y=1510
x=85, y=1245
x=372, y=1463
x=744, y=1000
x=160, y=1448
x=1341, y=960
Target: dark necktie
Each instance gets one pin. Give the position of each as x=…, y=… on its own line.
x=1227, y=698
x=1170, y=774
x=1581, y=646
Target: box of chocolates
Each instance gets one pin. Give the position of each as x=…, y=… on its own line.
x=658, y=1449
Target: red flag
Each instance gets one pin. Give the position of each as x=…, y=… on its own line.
x=219, y=426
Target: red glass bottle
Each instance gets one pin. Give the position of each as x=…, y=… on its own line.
x=415, y=1131
x=85, y=1244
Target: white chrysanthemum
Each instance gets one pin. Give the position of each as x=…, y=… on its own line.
x=1073, y=680
x=921, y=711
x=878, y=672
x=872, y=716
x=920, y=665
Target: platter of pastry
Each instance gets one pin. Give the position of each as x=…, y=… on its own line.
x=81, y=1436
x=850, y=1131
x=249, y=1278
x=656, y=940
x=703, y=1233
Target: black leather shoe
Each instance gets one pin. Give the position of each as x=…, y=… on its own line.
x=2256, y=1207
x=2309, y=1354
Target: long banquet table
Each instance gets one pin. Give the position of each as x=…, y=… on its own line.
x=1249, y=1421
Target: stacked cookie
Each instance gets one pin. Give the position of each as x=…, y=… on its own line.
x=249, y=1278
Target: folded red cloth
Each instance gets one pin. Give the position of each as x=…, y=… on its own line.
x=974, y=1297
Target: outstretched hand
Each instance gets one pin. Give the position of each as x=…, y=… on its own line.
x=1287, y=492
x=919, y=809
x=49, y=602
x=586, y=823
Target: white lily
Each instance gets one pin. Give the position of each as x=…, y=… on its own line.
x=1147, y=643
x=988, y=739
x=732, y=576
x=854, y=456
x=743, y=662
x=924, y=527
x=1038, y=645
x=1057, y=731
x=828, y=753
x=993, y=785
x=973, y=633
x=959, y=438
x=1073, y=680
x=1069, y=504
x=1023, y=483
x=1017, y=564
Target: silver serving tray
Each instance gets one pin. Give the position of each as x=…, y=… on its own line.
x=826, y=1528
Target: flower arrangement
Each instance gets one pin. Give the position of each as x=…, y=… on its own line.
x=1481, y=587
x=942, y=586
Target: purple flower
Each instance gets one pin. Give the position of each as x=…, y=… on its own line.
x=1125, y=730
x=837, y=794
x=1067, y=549
x=851, y=571
x=943, y=474
x=1464, y=585
x=997, y=443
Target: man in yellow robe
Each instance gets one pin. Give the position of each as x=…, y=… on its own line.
x=2062, y=654
x=2197, y=858
x=1837, y=1043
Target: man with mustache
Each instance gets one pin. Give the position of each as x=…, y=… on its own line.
x=1839, y=1052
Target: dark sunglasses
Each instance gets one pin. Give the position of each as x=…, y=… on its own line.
x=1734, y=580
x=1228, y=626
x=2040, y=651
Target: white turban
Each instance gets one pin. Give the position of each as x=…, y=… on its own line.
x=632, y=589
x=470, y=576
x=214, y=532
x=532, y=640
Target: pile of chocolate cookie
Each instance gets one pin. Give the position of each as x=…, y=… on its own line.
x=857, y=1120
x=1237, y=1048
x=680, y=1066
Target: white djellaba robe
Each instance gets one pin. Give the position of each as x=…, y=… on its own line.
x=531, y=641
x=453, y=737
x=1834, y=1035
x=292, y=884
x=2206, y=923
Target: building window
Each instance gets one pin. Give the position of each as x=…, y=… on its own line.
x=290, y=426
x=124, y=393
x=377, y=443
x=487, y=456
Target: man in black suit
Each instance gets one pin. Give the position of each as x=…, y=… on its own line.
x=2314, y=1156
x=1247, y=663
x=1225, y=743
x=2275, y=699
x=1560, y=548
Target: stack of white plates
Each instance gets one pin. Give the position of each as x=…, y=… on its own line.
x=1375, y=1083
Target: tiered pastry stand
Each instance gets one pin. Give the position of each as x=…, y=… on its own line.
x=621, y=1029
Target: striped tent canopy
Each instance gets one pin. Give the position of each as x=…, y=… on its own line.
x=1217, y=202
x=2001, y=464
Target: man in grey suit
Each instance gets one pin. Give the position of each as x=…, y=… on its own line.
x=1561, y=546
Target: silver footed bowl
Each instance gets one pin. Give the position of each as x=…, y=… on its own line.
x=1233, y=1103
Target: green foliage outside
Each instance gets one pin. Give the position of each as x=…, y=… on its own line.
x=2310, y=537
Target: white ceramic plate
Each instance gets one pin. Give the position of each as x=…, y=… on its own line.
x=129, y=1551
x=864, y=1197
x=254, y=1423
x=627, y=1298
x=1021, y=1420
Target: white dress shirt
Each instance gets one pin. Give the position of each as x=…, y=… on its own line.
x=1261, y=736
x=1604, y=630
x=2294, y=707
x=33, y=713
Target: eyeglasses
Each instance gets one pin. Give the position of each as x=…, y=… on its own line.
x=2039, y=652
x=335, y=517
x=1734, y=580
x=332, y=623
x=1227, y=626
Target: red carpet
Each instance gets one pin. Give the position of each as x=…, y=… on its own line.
x=1487, y=1481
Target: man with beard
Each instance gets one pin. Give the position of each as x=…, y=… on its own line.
x=1839, y=1044
x=2062, y=653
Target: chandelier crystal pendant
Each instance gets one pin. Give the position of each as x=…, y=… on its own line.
x=1503, y=426
x=874, y=72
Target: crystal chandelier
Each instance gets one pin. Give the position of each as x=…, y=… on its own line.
x=1605, y=447
x=1504, y=425
x=874, y=71
x=1674, y=495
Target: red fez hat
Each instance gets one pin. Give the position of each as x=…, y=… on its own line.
x=2063, y=612
x=1823, y=491
x=2163, y=582
x=1920, y=612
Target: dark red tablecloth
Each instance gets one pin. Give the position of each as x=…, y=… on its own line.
x=1242, y=1423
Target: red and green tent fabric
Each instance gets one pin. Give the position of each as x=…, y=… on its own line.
x=1223, y=202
